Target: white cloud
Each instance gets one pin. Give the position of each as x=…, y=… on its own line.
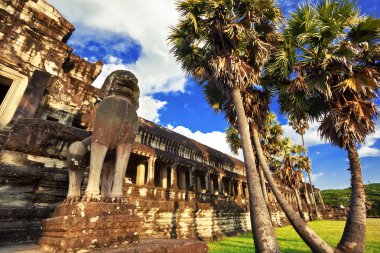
x=367, y=149
x=311, y=136
x=315, y=177
x=145, y=22
x=216, y=139
x=317, y=153
x=149, y=108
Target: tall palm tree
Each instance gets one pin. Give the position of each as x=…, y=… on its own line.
x=271, y=133
x=227, y=43
x=300, y=125
x=274, y=145
x=234, y=142
x=328, y=70
x=233, y=139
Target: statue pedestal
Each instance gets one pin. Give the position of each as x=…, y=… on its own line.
x=87, y=225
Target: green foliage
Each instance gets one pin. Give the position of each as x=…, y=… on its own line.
x=233, y=139
x=224, y=41
x=327, y=69
x=290, y=242
x=335, y=198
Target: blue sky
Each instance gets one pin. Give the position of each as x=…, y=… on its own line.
x=130, y=34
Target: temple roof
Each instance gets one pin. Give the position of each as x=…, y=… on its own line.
x=206, y=151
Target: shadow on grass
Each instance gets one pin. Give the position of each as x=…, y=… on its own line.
x=290, y=242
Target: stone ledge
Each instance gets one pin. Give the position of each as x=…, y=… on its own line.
x=88, y=225
x=145, y=246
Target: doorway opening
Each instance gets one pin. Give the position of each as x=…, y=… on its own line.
x=5, y=85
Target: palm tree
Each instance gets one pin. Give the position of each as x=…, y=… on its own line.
x=327, y=68
x=274, y=147
x=271, y=133
x=300, y=125
x=233, y=139
x=288, y=172
x=234, y=142
x=227, y=43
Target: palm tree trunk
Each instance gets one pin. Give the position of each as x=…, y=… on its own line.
x=315, y=243
x=312, y=194
x=262, y=181
x=311, y=184
x=262, y=178
x=299, y=202
x=262, y=227
x=353, y=238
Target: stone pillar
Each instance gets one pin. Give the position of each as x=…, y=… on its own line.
x=140, y=175
x=164, y=177
x=173, y=176
x=246, y=191
x=151, y=162
x=192, y=179
x=183, y=180
x=212, y=188
x=199, y=184
x=220, y=184
x=32, y=95
x=207, y=182
x=240, y=186
x=230, y=187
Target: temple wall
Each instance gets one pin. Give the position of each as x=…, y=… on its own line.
x=182, y=189
x=34, y=180
x=47, y=79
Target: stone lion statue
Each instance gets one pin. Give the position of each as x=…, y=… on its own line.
x=115, y=127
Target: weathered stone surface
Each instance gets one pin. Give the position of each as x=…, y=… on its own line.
x=42, y=137
x=87, y=225
x=164, y=246
x=33, y=37
x=145, y=246
x=201, y=196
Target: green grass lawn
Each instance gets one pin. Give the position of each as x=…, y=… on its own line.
x=290, y=242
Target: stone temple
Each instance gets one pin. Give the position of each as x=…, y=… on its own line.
x=181, y=188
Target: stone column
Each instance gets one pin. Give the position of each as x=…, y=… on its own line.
x=230, y=187
x=207, y=182
x=199, y=184
x=140, y=175
x=192, y=179
x=246, y=191
x=164, y=177
x=173, y=176
x=151, y=162
x=183, y=180
x=220, y=184
x=240, y=186
x=212, y=189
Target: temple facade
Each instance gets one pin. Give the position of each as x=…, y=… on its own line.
x=182, y=188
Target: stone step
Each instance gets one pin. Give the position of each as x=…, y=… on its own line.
x=85, y=225
x=148, y=245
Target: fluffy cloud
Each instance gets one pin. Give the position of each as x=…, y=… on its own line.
x=216, y=139
x=149, y=108
x=144, y=22
x=311, y=137
x=367, y=149
x=315, y=177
